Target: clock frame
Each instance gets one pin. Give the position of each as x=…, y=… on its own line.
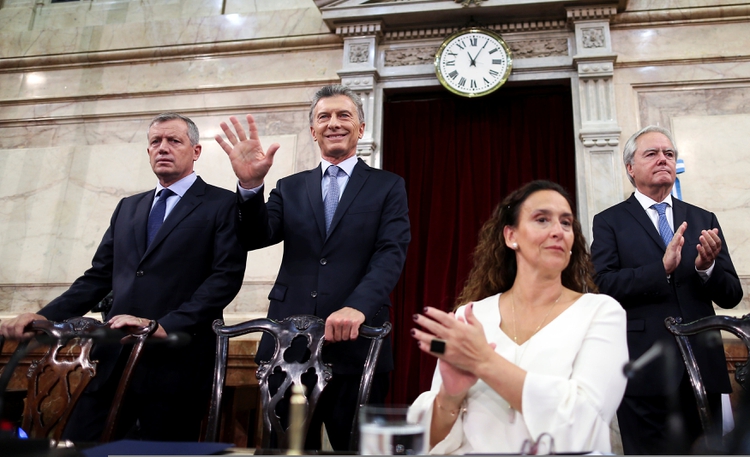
x=473, y=62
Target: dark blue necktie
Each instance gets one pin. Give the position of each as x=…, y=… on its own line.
x=664, y=229
x=156, y=218
x=332, y=195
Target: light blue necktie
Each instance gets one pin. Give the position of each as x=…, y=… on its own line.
x=332, y=195
x=156, y=218
x=664, y=229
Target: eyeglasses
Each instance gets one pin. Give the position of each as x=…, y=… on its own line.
x=544, y=445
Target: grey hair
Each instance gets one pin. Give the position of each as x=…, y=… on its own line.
x=628, y=151
x=193, y=133
x=338, y=89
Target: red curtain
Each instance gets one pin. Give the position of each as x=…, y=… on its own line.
x=460, y=157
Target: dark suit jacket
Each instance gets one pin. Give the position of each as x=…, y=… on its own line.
x=184, y=279
x=627, y=252
x=357, y=265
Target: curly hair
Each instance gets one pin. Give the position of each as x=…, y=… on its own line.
x=495, y=265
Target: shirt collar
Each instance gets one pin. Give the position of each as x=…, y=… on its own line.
x=347, y=165
x=646, y=202
x=181, y=186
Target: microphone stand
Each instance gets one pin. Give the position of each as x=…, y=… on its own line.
x=676, y=441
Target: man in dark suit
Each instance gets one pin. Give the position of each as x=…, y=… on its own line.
x=180, y=264
x=655, y=277
x=345, y=229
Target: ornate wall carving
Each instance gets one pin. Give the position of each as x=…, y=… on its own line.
x=359, y=53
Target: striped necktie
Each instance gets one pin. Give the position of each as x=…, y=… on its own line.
x=664, y=229
x=332, y=195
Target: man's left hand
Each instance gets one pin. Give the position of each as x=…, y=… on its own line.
x=708, y=249
x=126, y=320
x=344, y=324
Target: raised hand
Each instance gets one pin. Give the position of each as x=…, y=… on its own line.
x=249, y=162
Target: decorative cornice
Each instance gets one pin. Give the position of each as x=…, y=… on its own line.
x=169, y=52
x=585, y=13
x=439, y=32
x=368, y=28
x=711, y=13
x=522, y=49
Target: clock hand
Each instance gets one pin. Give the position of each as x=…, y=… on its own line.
x=473, y=62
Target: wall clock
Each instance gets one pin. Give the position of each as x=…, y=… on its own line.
x=473, y=62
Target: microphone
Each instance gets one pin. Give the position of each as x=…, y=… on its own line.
x=633, y=367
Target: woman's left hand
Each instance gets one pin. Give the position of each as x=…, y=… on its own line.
x=465, y=343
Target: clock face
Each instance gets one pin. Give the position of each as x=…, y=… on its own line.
x=473, y=62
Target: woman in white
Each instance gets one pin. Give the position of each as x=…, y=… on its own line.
x=533, y=351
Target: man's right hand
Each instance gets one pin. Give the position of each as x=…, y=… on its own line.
x=673, y=254
x=246, y=154
x=13, y=329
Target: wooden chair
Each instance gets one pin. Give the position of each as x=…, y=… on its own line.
x=737, y=326
x=312, y=329
x=55, y=383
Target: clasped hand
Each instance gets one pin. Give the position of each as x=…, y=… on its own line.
x=466, y=346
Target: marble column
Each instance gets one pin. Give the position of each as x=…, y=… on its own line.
x=359, y=72
x=599, y=132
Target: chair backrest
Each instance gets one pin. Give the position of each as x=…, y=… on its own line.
x=55, y=383
x=309, y=328
x=737, y=326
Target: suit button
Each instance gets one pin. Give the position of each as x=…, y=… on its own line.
x=323, y=261
x=139, y=273
x=314, y=293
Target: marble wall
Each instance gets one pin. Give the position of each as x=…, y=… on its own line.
x=687, y=70
x=79, y=82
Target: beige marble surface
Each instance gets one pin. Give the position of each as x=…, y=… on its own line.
x=94, y=26
x=79, y=82
x=716, y=174
x=56, y=203
x=682, y=42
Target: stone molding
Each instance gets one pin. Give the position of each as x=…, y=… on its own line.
x=440, y=32
x=601, y=139
x=586, y=13
x=169, y=53
x=598, y=69
x=425, y=55
x=674, y=16
x=364, y=29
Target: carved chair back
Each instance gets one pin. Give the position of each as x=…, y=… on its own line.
x=737, y=326
x=311, y=330
x=57, y=380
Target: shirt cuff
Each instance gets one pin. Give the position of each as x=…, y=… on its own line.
x=246, y=194
x=706, y=274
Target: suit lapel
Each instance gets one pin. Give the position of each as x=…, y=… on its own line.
x=637, y=211
x=182, y=209
x=679, y=212
x=356, y=181
x=143, y=208
x=314, y=194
